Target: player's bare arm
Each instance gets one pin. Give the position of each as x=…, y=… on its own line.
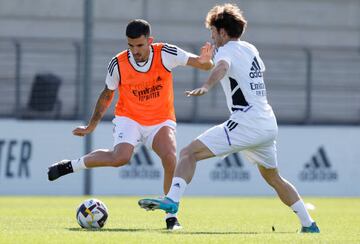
x=102, y=105
x=203, y=61
x=215, y=76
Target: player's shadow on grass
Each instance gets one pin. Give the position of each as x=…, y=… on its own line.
x=180, y=232
x=114, y=230
x=226, y=232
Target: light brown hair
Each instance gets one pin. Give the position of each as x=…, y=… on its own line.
x=227, y=16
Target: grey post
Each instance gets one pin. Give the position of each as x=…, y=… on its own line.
x=87, y=59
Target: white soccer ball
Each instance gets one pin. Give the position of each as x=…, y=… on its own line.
x=92, y=214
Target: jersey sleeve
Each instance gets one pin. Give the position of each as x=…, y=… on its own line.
x=222, y=54
x=173, y=56
x=113, y=77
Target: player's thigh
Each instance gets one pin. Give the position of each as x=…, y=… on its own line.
x=230, y=137
x=268, y=172
x=164, y=142
x=213, y=142
x=198, y=150
x=264, y=154
x=122, y=152
x=216, y=140
x=161, y=137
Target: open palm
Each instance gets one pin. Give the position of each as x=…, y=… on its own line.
x=206, y=53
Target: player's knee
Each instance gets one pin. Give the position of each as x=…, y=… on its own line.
x=274, y=180
x=186, y=153
x=120, y=160
x=169, y=161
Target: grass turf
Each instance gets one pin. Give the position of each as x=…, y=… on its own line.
x=205, y=220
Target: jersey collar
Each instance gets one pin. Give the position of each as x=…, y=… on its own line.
x=141, y=67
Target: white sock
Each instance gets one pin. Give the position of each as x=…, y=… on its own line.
x=177, y=189
x=301, y=211
x=170, y=215
x=78, y=164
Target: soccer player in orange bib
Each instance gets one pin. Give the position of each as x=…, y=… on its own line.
x=144, y=112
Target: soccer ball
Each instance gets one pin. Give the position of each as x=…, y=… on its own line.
x=92, y=214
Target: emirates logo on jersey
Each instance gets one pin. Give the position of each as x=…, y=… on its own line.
x=148, y=93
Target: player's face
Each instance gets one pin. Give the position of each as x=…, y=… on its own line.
x=216, y=36
x=140, y=47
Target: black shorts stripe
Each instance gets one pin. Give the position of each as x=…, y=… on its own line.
x=233, y=126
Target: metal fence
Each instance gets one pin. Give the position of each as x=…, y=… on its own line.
x=305, y=86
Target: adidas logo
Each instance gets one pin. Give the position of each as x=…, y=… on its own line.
x=255, y=69
x=141, y=166
x=158, y=79
x=318, y=168
x=230, y=168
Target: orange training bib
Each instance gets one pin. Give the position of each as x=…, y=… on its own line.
x=146, y=97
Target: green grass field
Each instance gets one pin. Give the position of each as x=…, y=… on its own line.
x=205, y=220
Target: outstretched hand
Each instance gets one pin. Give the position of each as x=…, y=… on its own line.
x=82, y=130
x=197, y=92
x=206, y=53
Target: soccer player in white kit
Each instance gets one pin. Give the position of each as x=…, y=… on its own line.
x=252, y=126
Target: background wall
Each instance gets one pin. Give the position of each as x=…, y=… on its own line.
x=310, y=48
x=286, y=22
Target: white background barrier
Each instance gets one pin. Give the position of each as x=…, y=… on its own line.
x=26, y=150
x=318, y=160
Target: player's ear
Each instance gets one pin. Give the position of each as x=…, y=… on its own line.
x=150, y=40
x=222, y=32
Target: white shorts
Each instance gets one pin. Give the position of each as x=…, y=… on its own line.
x=258, y=145
x=129, y=131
